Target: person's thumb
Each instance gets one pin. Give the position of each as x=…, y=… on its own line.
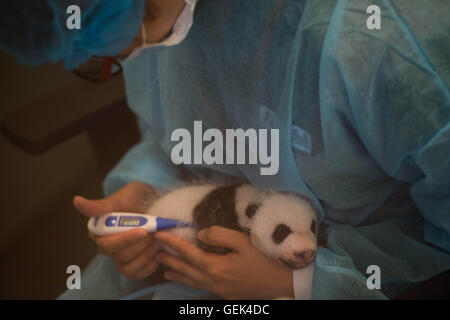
x=94, y=208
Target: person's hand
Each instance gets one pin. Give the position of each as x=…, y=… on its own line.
x=244, y=273
x=133, y=251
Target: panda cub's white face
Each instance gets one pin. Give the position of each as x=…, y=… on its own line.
x=283, y=226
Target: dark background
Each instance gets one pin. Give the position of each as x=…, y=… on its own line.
x=60, y=136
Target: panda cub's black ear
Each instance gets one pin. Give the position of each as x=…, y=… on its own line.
x=251, y=209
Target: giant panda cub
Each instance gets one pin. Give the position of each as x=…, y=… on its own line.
x=282, y=225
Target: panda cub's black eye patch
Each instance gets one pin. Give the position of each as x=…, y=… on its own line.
x=280, y=233
x=313, y=226
x=251, y=209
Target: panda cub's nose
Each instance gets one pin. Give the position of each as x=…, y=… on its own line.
x=306, y=254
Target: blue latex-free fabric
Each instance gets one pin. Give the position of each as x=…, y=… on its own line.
x=35, y=31
x=374, y=104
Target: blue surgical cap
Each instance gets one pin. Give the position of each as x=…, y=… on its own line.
x=35, y=31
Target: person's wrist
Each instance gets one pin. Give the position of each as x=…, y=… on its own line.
x=288, y=288
x=284, y=288
x=144, y=189
x=140, y=184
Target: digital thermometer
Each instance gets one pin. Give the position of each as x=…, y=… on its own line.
x=122, y=221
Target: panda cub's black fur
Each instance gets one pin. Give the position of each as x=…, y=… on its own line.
x=217, y=208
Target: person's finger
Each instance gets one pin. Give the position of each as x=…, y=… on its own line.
x=179, y=277
x=151, y=267
x=119, y=241
x=146, y=271
x=183, y=267
x=186, y=249
x=137, y=266
x=93, y=236
x=94, y=208
x=126, y=255
x=223, y=237
x=134, y=197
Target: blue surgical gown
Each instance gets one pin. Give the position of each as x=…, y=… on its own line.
x=364, y=119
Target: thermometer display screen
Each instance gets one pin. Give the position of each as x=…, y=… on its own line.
x=129, y=222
